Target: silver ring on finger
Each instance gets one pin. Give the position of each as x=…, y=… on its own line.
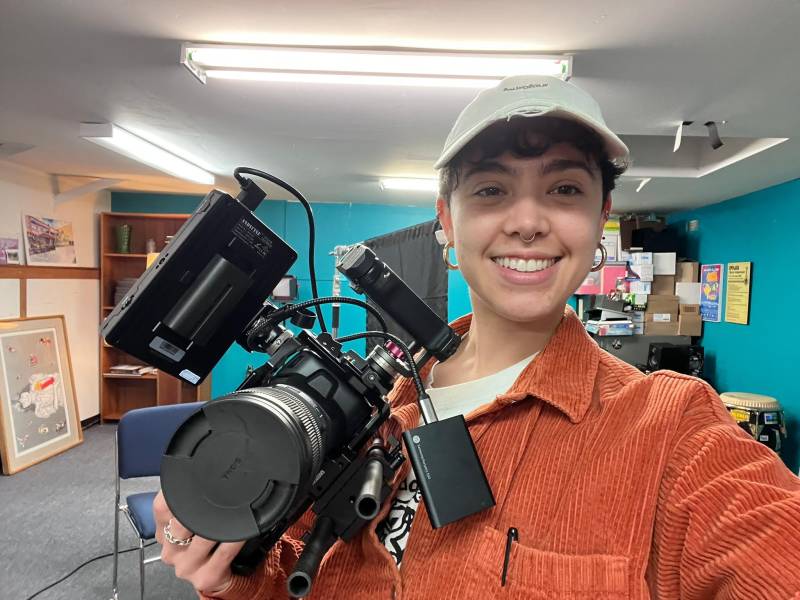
x=174, y=540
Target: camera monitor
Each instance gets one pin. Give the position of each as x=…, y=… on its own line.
x=201, y=292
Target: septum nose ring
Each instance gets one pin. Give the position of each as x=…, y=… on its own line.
x=528, y=240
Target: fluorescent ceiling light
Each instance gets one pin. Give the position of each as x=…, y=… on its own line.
x=409, y=184
x=364, y=66
x=643, y=183
x=124, y=142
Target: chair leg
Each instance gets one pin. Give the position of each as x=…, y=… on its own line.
x=141, y=569
x=114, y=590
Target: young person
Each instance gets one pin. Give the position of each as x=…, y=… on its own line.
x=609, y=484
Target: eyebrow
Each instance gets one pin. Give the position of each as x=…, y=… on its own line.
x=565, y=164
x=555, y=165
x=486, y=166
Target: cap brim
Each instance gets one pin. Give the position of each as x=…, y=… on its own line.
x=614, y=146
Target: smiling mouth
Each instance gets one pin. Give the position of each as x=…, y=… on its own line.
x=521, y=265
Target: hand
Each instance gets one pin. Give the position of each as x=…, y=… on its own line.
x=203, y=563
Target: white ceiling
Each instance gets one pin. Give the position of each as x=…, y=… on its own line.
x=650, y=64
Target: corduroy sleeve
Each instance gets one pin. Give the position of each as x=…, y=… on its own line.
x=268, y=581
x=728, y=513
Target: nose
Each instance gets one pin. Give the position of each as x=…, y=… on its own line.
x=527, y=218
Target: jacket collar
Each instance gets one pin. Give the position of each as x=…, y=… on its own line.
x=562, y=375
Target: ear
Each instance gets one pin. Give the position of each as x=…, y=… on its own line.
x=606, y=211
x=445, y=218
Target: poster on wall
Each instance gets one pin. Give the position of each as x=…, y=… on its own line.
x=711, y=293
x=38, y=411
x=9, y=251
x=737, y=294
x=49, y=242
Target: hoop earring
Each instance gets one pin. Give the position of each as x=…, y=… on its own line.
x=446, y=257
x=602, y=262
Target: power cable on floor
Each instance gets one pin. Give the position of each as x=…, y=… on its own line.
x=80, y=566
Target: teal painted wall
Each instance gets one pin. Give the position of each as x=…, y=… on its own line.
x=336, y=224
x=761, y=357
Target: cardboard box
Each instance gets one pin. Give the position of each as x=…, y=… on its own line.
x=652, y=328
x=641, y=258
x=662, y=304
x=664, y=263
x=636, y=316
x=638, y=328
x=663, y=285
x=640, y=287
x=643, y=272
x=688, y=293
x=665, y=317
x=689, y=324
x=687, y=271
x=689, y=309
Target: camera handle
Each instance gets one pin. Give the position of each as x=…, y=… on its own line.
x=345, y=511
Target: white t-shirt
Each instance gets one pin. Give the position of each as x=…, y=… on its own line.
x=449, y=401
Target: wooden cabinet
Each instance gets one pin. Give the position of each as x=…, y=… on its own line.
x=120, y=393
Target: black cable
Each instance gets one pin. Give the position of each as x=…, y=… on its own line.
x=80, y=566
x=286, y=312
x=401, y=344
x=311, y=231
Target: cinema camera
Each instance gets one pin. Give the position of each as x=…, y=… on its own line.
x=302, y=430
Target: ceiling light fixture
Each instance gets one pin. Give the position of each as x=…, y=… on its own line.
x=124, y=142
x=643, y=183
x=427, y=68
x=409, y=184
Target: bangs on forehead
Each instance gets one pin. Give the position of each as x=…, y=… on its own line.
x=529, y=137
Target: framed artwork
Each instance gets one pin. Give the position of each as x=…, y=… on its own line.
x=9, y=251
x=49, y=241
x=38, y=411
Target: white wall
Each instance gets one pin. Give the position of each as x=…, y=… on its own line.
x=26, y=191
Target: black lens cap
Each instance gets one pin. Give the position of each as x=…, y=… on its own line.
x=232, y=469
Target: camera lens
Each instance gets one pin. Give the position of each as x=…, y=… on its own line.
x=240, y=465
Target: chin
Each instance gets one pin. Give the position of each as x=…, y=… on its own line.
x=528, y=309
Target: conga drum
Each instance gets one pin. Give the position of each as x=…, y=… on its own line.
x=760, y=416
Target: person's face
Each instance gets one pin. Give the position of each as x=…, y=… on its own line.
x=499, y=201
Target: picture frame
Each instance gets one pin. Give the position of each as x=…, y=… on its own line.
x=38, y=409
x=49, y=242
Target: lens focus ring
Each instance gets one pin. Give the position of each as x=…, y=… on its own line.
x=297, y=403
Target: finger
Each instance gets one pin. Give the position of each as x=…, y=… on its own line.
x=186, y=559
x=178, y=530
x=160, y=509
x=215, y=576
x=222, y=557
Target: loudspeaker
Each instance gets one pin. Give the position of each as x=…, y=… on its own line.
x=682, y=359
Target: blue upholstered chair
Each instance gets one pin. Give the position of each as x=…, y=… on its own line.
x=142, y=438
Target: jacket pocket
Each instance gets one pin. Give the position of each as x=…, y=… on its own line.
x=540, y=575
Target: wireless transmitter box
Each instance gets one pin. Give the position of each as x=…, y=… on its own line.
x=448, y=470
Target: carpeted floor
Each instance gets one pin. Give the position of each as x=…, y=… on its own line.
x=58, y=514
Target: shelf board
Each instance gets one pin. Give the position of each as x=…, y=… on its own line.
x=124, y=255
x=108, y=307
x=149, y=376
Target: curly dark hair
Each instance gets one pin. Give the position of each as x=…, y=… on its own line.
x=514, y=136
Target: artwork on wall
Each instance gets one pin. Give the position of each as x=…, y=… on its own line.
x=38, y=411
x=9, y=251
x=711, y=280
x=49, y=241
x=737, y=296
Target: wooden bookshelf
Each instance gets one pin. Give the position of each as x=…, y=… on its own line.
x=120, y=393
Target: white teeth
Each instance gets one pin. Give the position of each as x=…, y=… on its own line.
x=525, y=266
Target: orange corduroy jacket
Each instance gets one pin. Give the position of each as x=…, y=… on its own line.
x=620, y=485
